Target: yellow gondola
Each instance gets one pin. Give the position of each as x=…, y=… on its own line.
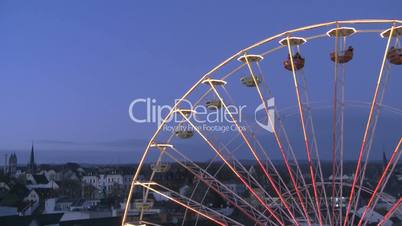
x=213, y=104
x=184, y=133
x=249, y=80
x=140, y=204
x=160, y=167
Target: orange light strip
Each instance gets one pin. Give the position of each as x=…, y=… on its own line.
x=384, y=174
x=334, y=124
x=278, y=141
x=202, y=177
x=391, y=211
x=259, y=199
x=367, y=128
x=148, y=186
x=306, y=140
x=274, y=186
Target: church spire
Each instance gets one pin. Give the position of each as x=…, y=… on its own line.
x=31, y=165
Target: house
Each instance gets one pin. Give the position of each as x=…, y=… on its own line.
x=4, y=187
x=104, y=182
x=40, y=181
x=67, y=175
x=82, y=204
x=32, y=197
x=63, y=204
x=49, y=174
x=127, y=179
x=372, y=216
x=91, y=180
x=20, y=197
x=78, y=205
x=45, y=193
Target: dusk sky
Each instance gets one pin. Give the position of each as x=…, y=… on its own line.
x=69, y=69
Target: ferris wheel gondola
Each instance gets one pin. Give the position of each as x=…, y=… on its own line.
x=250, y=81
x=343, y=56
x=395, y=56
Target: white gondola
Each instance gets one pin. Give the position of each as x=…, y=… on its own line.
x=185, y=112
x=160, y=167
x=396, y=33
x=134, y=224
x=214, y=82
x=292, y=41
x=161, y=146
x=250, y=58
x=341, y=32
x=249, y=80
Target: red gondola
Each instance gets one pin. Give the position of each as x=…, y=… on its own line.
x=298, y=62
x=395, y=56
x=343, y=56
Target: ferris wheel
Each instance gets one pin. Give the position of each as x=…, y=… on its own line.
x=280, y=165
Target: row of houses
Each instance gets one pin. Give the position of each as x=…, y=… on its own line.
x=107, y=182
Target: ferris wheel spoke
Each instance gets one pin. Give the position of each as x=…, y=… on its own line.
x=278, y=141
x=271, y=201
x=146, y=193
x=161, y=154
x=215, y=174
x=335, y=130
x=221, y=189
x=254, y=153
x=314, y=145
x=378, y=108
x=259, y=199
x=367, y=129
x=382, y=181
x=306, y=139
x=380, y=193
x=282, y=185
x=282, y=135
x=300, y=177
x=370, y=140
x=390, y=212
x=338, y=120
x=198, y=102
x=164, y=121
x=192, y=205
x=254, y=183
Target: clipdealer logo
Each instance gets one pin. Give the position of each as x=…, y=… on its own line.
x=209, y=119
x=270, y=124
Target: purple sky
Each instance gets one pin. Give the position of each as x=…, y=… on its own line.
x=69, y=69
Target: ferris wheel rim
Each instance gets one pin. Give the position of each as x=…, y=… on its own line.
x=392, y=22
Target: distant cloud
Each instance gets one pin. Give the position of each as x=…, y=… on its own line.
x=124, y=143
x=112, y=143
x=58, y=142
